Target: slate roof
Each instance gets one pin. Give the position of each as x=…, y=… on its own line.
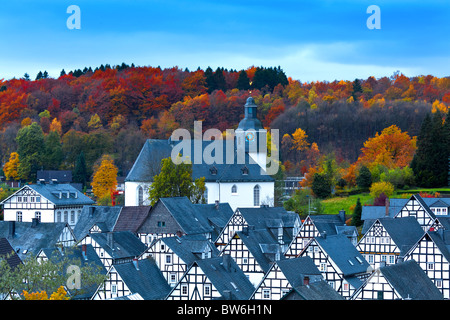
x=217, y=215
x=227, y=277
x=62, y=176
x=262, y=246
x=125, y=244
x=442, y=240
x=29, y=239
x=189, y=248
x=51, y=192
x=145, y=280
x=6, y=249
x=410, y=281
x=264, y=216
x=405, y=232
x=332, y=224
x=104, y=217
x=131, y=218
x=345, y=255
x=319, y=290
x=295, y=269
x=148, y=163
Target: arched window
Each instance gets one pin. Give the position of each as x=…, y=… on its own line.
x=256, y=190
x=66, y=216
x=234, y=189
x=58, y=216
x=205, y=195
x=140, y=196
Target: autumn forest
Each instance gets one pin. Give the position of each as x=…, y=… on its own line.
x=327, y=129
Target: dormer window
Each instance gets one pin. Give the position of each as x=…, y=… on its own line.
x=213, y=171
x=234, y=189
x=244, y=170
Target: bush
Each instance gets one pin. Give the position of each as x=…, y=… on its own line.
x=378, y=188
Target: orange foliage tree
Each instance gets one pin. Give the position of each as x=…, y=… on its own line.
x=392, y=149
x=104, y=181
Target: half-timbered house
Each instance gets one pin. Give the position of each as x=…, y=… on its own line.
x=342, y=266
x=401, y=281
x=96, y=219
x=12, y=260
x=173, y=216
x=259, y=218
x=213, y=279
x=432, y=254
x=285, y=275
x=389, y=239
x=314, y=225
x=174, y=255
x=115, y=247
x=138, y=277
x=47, y=202
x=28, y=238
x=417, y=208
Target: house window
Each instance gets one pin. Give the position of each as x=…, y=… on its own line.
x=58, y=216
x=19, y=216
x=184, y=289
x=140, y=196
x=205, y=195
x=31, y=199
x=38, y=199
x=72, y=216
x=391, y=259
x=19, y=199
x=66, y=216
x=323, y=267
x=25, y=199
x=37, y=215
x=168, y=259
x=114, y=288
x=256, y=195
x=430, y=266
x=173, y=278
x=438, y=283
x=346, y=287
x=266, y=293
x=207, y=289
x=370, y=260
x=234, y=189
x=161, y=223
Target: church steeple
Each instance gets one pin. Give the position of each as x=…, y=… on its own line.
x=250, y=120
x=250, y=133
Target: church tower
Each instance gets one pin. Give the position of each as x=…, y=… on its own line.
x=251, y=136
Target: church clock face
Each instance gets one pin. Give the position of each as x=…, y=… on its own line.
x=250, y=137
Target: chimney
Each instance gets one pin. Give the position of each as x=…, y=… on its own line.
x=217, y=204
x=136, y=264
x=91, y=211
x=12, y=229
x=324, y=235
x=84, y=251
x=306, y=281
x=342, y=215
x=110, y=240
x=34, y=222
x=386, y=204
x=54, y=181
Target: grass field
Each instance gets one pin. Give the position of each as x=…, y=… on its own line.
x=333, y=205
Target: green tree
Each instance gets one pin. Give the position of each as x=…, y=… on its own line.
x=356, y=217
x=364, y=178
x=321, y=186
x=53, y=154
x=80, y=174
x=30, y=147
x=243, y=82
x=430, y=162
x=175, y=180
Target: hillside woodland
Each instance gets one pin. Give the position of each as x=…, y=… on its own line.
x=393, y=126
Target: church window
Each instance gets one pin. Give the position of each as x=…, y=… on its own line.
x=234, y=189
x=140, y=196
x=205, y=195
x=256, y=195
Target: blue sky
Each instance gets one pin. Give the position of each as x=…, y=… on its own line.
x=310, y=39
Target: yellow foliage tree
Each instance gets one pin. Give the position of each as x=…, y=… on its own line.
x=60, y=294
x=56, y=126
x=104, y=181
x=10, y=168
x=378, y=188
x=299, y=140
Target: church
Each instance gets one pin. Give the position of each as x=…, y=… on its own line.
x=238, y=175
